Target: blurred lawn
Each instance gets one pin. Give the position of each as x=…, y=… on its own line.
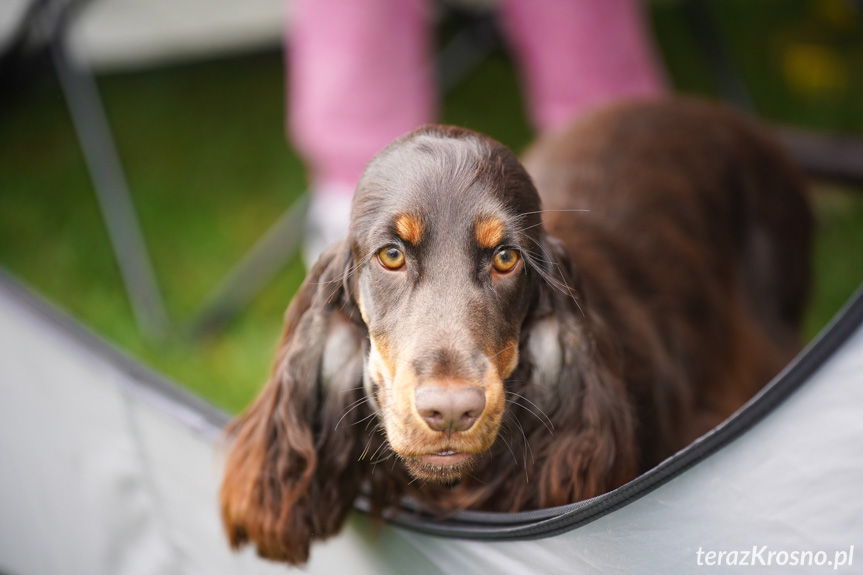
x=205, y=154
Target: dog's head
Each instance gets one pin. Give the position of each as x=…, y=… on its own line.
x=446, y=305
x=445, y=232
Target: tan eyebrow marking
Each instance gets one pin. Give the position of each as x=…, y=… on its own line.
x=410, y=228
x=488, y=232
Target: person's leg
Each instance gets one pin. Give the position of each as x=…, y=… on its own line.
x=577, y=54
x=358, y=76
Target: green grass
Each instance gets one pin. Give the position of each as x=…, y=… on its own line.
x=838, y=256
x=209, y=167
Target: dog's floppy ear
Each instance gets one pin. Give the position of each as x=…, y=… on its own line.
x=576, y=376
x=292, y=472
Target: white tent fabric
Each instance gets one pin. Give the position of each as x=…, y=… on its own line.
x=107, y=469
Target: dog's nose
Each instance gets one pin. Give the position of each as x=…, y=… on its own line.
x=453, y=408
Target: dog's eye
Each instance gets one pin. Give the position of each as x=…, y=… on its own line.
x=391, y=258
x=505, y=260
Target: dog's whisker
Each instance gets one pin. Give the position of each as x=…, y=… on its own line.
x=524, y=214
x=538, y=256
x=528, y=451
x=320, y=292
x=527, y=383
x=504, y=350
x=382, y=446
x=553, y=282
x=477, y=479
x=366, y=418
x=527, y=409
x=370, y=420
x=530, y=227
x=382, y=459
x=549, y=425
x=520, y=428
x=524, y=451
x=369, y=445
x=366, y=449
x=350, y=408
x=541, y=223
x=508, y=446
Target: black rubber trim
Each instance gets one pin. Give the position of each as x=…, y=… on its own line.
x=201, y=417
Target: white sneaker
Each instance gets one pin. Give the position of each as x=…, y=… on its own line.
x=327, y=219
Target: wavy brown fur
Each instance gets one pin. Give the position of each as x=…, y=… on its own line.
x=640, y=322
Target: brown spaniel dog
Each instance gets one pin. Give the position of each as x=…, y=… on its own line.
x=472, y=347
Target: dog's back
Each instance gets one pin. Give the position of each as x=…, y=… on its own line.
x=694, y=249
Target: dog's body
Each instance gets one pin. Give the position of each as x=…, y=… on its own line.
x=516, y=358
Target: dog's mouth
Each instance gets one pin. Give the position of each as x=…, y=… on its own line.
x=444, y=466
x=448, y=457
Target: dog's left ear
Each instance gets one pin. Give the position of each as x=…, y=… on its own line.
x=293, y=471
x=578, y=384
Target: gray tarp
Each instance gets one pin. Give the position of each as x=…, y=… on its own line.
x=107, y=469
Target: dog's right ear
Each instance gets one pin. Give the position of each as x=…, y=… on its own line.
x=293, y=470
x=577, y=384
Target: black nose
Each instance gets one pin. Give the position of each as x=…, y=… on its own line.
x=452, y=407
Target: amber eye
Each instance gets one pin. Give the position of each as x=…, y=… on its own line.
x=505, y=260
x=391, y=257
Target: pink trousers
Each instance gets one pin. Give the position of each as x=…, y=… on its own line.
x=360, y=71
